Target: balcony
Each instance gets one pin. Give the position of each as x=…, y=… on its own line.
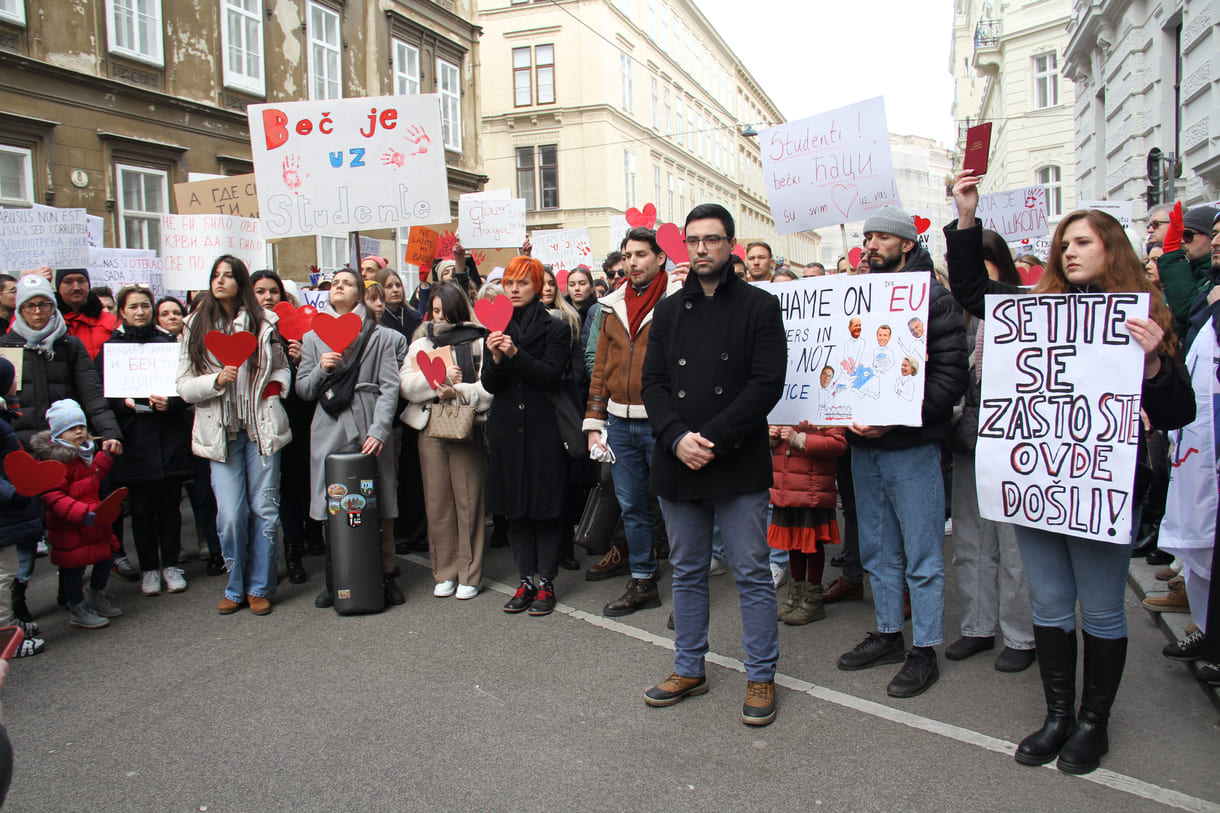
x=987, y=34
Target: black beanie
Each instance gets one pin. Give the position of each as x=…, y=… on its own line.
x=60, y=273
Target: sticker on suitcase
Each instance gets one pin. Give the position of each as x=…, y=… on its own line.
x=335, y=491
x=366, y=487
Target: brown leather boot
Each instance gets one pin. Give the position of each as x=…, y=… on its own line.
x=759, y=708
x=841, y=590
x=640, y=595
x=614, y=563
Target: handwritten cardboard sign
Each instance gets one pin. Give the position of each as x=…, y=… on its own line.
x=489, y=223
x=140, y=370
x=421, y=245
x=831, y=168
x=1015, y=214
x=30, y=238
x=326, y=167
x=856, y=349
x=234, y=195
x=562, y=249
x=1059, y=419
x=191, y=243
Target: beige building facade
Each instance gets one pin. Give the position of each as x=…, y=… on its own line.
x=593, y=107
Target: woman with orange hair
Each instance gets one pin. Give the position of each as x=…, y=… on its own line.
x=528, y=465
x=1089, y=253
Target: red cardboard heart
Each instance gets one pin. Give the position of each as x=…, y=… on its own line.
x=921, y=224
x=108, y=510
x=494, y=313
x=646, y=218
x=1032, y=275
x=853, y=257
x=561, y=279
x=231, y=351
x=740, y=250
x=294, y=322
x=31, y=477
x=338, y=333
x=672, y=243
x=432, y=368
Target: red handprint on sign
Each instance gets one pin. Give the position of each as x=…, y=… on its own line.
x=293, y=176
x=1032, y=197
x=392, y=158
x=416, y=135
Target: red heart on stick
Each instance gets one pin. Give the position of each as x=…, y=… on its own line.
x=432, y=368
x=921, y=224
x=108, y=509
x=740, y=250
x=337, y=334
x=853, y=257
x=1031, y=276
x=231, y=351
x=561, y=279
x=294, y=322
x=670, y=238
x=647, y=218
x=494, y=313
x=31, y=477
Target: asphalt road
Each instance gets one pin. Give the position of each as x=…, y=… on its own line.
x=454, y=705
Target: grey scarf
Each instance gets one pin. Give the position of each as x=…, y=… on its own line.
x=41, y=340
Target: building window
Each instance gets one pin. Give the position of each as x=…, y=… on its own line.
x=681, y=200
x=13, y=11
x=628, y=178
x=669, y=196
x=332, y=251
x=656, y=106
x=544, y=55
x=544, y=161
x=652, y=19
x=449, y=86
x=1050, y=178
x=16, y=177
x=525, y=78
x=526, y=186
x=406, y=68
x=680, y=131
x=135, y=29
x=656, y=185
x=548, y=163
x=242, y=39
x=669, y=114
x=1046, y=81
x=624, y=67
x=142, y=198
x=325, y=46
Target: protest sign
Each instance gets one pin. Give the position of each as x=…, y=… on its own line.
x=1059, y=419
x=140, y=370
x=1120, y=210
x=338, y=165
x=116, y=267
x=856, y=349
x=491, y=223
x=319, y=299
x=31, y=238
x=562, y=249
x=831, y=168
x=922, y=218
x=233, y=195
x=421, y=246
x=1016, y=215
x=191, y=243
x=97, y=229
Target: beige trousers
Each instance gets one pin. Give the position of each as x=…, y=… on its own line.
x=455, y=473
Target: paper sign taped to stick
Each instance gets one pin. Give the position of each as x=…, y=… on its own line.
x=31, y=238
x=191, y=243
x=491, y=223
x=233, y=195
x=856, y=349
x=562, y=249
x=140, y=370
x=830, y=168
x=326, y=167
x=1016, y=214
x=421, y=245
x=1059, y=420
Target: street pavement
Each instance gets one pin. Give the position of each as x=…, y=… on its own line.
x=454, y=705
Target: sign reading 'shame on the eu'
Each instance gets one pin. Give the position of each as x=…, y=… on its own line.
x=1060, y=412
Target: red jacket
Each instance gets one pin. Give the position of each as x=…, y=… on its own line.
x=74, y=544
x=93, y=324
x=805, y=478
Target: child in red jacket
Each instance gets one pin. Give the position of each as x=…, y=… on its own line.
x=76, y=539
x=803, y=516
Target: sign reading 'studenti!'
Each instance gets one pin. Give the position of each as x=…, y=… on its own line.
x=349, y=164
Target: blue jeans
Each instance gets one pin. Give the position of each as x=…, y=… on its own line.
x=900, y=509
x=247, y=490
x=26, y=556
x=744, y=520
x=632, y=443
x=1062, y=570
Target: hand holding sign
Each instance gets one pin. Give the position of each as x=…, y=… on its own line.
x=230, y=350
x=337, y=334
x=31, y=477
x=495, y=314
x=432, y=368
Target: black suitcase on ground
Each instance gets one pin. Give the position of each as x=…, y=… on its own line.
x=601, y=515
x=354, y=531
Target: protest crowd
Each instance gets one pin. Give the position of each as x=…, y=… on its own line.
x=521, y=408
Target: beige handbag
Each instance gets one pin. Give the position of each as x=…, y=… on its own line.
x=451, y=420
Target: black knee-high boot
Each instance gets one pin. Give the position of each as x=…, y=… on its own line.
x=1104, y=659
x=1057, y=663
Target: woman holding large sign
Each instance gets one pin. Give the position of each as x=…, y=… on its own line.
x=1089, y=254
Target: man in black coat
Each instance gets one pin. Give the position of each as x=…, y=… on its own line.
x=714, y=369
x=900, y=499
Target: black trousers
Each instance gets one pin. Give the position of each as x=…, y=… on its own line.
x=535, y=544
x=853, y=571
x=411, y=524
x=156, y=522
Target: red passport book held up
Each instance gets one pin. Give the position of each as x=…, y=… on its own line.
x=978, y=145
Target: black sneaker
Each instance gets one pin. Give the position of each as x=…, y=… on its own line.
x=393, y=593
x=1189, y=648
x=522, y=599
x=917, y=674
x=216, y=565
x=1014, y=660
x=544, y=600
x=969, y=645
x=1208, y=673
x=124, y=569
x=874, y=650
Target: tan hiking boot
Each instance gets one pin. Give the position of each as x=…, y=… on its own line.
x=809, y=608
x=614, y=563
x=1174, y=601
x=674, y=688
x=759, y=708
x=795, y=592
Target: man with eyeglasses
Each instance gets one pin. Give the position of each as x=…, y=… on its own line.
x=714, y=369
x=1158, y=222
x=1186, y=266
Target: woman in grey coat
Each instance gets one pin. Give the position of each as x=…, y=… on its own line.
x=364, y=425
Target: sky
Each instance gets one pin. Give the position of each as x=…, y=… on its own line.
x=803, y=55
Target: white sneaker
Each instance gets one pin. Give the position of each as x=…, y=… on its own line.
x=949, y=527
x=719, y=567
x=174, y=582
x=445, y=589
x=779, y=575
x=151, y=585
x=467, y=591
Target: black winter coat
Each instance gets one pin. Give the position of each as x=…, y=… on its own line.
x=20, y=517
x=158, y=444
x=70, y=374
x=528, y=467
x=946, y=371
x=714, y=365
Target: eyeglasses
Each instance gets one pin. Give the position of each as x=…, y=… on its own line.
x=1156, y=224
x=38, y=307
x=711, y=241
x=1188, y=235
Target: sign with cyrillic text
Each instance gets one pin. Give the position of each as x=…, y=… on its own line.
x=191, y=243
x=140, y=370
x=232, y=195
x=1016, y=214
x=32, y=238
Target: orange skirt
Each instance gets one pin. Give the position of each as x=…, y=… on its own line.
x=805, y=530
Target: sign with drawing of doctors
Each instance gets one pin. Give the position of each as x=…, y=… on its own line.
x=856, y=349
